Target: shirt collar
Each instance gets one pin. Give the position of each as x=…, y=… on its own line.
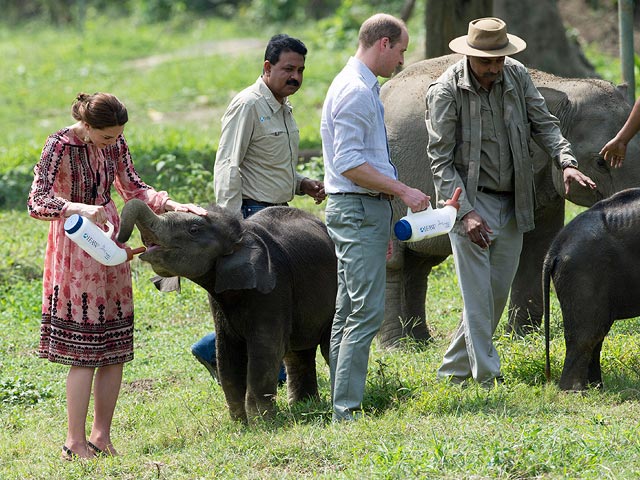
x=474, y=81
x=269, y=97
x=370, y=80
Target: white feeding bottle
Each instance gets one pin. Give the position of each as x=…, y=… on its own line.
x=97, y=242
x=428, y=223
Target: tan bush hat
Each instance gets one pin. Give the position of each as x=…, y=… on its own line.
x=487, y=37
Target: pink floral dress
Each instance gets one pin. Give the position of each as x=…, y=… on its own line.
x=87, y=307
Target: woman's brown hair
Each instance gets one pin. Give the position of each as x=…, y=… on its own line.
x=100, y=110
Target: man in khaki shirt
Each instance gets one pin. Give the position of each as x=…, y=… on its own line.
x=482, y=114
x=256, y=161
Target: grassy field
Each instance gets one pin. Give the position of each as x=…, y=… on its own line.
x=171, y=421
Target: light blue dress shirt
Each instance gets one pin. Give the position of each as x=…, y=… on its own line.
x=352, y=128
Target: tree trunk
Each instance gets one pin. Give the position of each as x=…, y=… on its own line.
x=448, y=19
x=548, y=47
x=407, y=10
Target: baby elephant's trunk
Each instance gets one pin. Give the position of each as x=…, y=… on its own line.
x=135, y=212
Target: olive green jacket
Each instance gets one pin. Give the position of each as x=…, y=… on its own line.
x=455, y=134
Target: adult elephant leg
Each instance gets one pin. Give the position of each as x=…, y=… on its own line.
x=415, y=284
x=302, y=381
x=525, y=304
x=391, y=329
x=405, y=314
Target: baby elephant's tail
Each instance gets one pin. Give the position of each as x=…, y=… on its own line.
x=547, y=268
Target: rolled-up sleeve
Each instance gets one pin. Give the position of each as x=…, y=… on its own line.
x=353, y=115
x=237, y=129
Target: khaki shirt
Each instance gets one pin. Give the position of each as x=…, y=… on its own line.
x=496, y=163
x=258, y=150
x=454, y=124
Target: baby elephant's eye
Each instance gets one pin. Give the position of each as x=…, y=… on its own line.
x=193, y=229
x=602, y=163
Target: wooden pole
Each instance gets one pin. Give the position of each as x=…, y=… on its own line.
x=627, y=56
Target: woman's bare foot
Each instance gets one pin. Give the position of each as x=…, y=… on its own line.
x=107, y=450
x=76, y=452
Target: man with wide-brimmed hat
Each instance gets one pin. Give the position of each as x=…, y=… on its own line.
x=481, y=115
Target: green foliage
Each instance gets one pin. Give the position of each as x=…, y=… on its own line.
x=184, y=170
x=17, y=391
x=609, y=68
x=314, y=168
x=276, y=10
x=14, y=186
x=61, y=12
x=188, y=180
x=341, y=29
x=334, y=12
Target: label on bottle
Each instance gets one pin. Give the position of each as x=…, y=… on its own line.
x=94, y=241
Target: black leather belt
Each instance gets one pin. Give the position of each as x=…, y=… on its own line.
x=494, y=192
x=248, y=202
x=379, y=196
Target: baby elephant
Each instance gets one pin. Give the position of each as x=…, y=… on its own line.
x=595, y=265
x=272, y=282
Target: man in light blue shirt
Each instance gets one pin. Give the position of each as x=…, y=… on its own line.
x=360, y=181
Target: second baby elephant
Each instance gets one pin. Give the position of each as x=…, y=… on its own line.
x=593, y=262
x=272, y=285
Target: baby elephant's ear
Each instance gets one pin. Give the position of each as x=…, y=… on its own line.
x=558, y=103
x=249, y=267
x=166, y=284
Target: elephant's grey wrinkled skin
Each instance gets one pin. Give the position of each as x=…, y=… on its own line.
x=272, y=286
x=590, y=112
x=593, y=262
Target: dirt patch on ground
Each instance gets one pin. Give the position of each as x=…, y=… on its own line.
x=205, y=49
x=197, y=114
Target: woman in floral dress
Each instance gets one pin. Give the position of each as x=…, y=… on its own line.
x=87, y=310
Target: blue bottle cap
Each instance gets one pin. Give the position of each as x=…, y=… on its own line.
x=402, y=229
x=73, y=223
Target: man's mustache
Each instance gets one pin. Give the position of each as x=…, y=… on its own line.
x=293, y=82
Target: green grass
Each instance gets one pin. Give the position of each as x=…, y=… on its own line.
x=171, y=421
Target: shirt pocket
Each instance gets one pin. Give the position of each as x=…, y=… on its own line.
x=269, y=129
x=524, y=133
x=488, y=130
